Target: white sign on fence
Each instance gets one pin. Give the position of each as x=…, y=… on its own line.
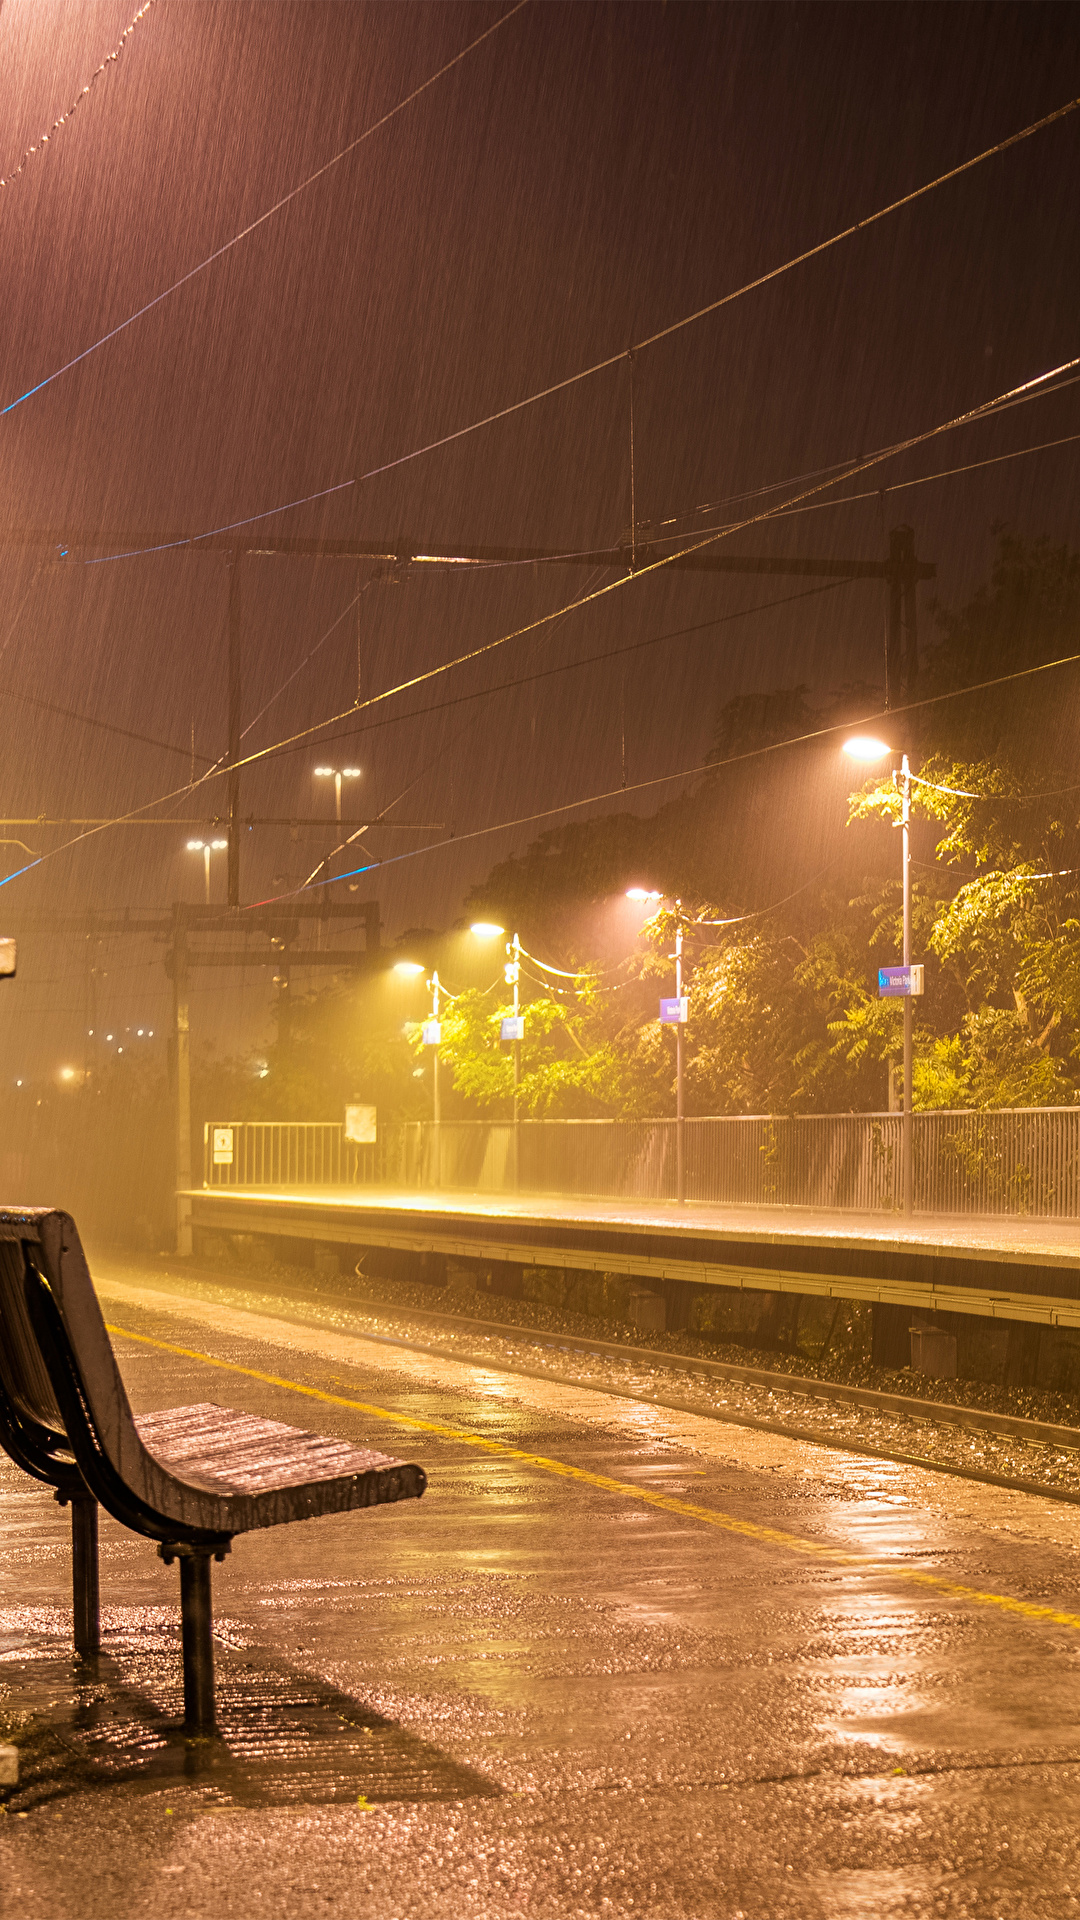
x=223, y=1146
x=360, y=1126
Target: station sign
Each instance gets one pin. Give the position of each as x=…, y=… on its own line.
x=432, y=1032
x=675, y=1013
x=900, y=983
x=223, y=1146
x=513, y=1028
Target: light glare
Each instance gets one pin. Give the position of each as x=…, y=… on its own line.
x=408, y=969
x=642, y=893
x=867, y=748
x=486, y=930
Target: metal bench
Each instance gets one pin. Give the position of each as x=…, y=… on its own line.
x=190, y=1478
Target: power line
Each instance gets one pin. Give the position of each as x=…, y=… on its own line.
x=213, y=533
x=665, y=560
x=571, y=666
x=44, y=138
x=683, y=773
x=654, y=566
x=228, y=245
x=714, y=306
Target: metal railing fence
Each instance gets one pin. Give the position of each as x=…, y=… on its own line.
x=1013, y=1161
x=284, y=1153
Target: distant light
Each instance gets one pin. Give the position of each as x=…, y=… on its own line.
x=195, y=846
x=642, y=893
x=867, y=748
x=409, y=969
x=67, y=1073
x=263, y=1071
x=218, y=844
x=119, y=1049
x=90, y=1031
x=140, y=1033
x=350, y=773
x=18, y=1083
x=486, y=930
x=324, y=772
x=150, y=1035
x=108, y=1036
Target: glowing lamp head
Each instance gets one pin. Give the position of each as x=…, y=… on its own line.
x=350, y=773
x=195, y=846
x=486, y=930
x=219, y=845
x=408, y=969
x=867, y=749
x=324, y=773
x=642, y=894
x=67, y=1073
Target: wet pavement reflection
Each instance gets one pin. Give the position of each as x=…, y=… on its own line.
x=530, y=1693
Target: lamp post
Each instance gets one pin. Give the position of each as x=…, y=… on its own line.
x=673, y=1013
x=337, y=775
x=868, y=750
x=410, y=970
x=206, y=848
x=487, y=930
x=432, y=1038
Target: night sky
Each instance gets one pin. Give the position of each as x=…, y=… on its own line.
x=586, y=176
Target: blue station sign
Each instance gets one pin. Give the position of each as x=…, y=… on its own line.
x=900, y=983
x=675, y=1013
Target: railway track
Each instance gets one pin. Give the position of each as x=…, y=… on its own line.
x=928, y=1415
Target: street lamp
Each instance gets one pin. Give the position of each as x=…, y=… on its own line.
x=673, y=1013
x=337, y=775
x=206, y=848
x=513, y=1027
x=907, y=980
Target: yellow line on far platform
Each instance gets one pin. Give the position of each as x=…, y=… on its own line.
x=647, y=1496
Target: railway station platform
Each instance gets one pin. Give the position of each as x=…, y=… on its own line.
x=1005, y=1268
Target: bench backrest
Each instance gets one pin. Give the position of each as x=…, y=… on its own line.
x=50, y=1240
x=23, y=1377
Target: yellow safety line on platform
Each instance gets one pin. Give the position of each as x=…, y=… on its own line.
x=749, y=1529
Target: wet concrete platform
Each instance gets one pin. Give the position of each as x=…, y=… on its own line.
x=616, y=1661
x=1001, y=1268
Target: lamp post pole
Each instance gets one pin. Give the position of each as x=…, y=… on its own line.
x=680, y=1130
x=513, y=975
x=436, y=1112
x=906, y=1123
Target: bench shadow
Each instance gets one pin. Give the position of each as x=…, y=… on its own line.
x=284, y=1738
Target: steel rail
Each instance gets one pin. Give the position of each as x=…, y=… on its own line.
x=944, y=1414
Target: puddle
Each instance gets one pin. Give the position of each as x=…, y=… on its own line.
x=283, y=1738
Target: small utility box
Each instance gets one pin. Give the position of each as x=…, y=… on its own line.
x=933, y=1353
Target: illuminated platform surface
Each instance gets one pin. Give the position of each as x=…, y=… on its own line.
x=996, y=1237
x=618, y=1660
x=1004, y=1268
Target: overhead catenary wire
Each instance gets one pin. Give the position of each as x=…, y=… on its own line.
x=899, y=486
x=268, y=213
x=686, y=773
x=533, y=626
x=643, y=573
x=213, y=533
x=715, y=306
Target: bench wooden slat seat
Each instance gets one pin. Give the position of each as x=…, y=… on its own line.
x=239, y=1472
x=190, y=1477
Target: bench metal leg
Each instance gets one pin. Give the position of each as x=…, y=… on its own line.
x=84, y=1575
x=195, y=1628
